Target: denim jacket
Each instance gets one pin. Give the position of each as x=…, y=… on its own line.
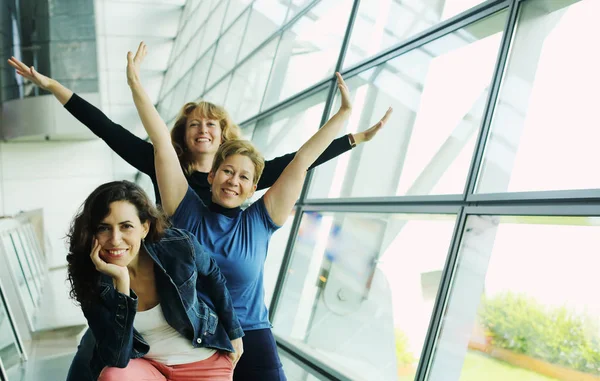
x=193, y=298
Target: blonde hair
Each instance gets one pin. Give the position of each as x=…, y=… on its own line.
x=229, y=130
x=240, y=147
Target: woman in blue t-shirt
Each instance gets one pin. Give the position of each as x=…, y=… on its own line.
x=237, y=239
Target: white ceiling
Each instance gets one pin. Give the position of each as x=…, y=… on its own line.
x=120, y=26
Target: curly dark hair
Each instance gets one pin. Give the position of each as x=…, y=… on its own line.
x=82, y=273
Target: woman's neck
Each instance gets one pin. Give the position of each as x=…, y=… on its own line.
x=228, y=212
x=141, y=264
x=203, y=162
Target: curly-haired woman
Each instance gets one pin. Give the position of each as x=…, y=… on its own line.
x=155, y=301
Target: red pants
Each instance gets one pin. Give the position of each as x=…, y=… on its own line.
x=218, y=367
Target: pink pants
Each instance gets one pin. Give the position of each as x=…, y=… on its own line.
x=218, y=367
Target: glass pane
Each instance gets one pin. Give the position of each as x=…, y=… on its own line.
x=524, y=301
x=29, y=257
x=286, y=130
x=295, y=372
x=266, y=17
x=296, y=6
x=360, y=289
x=249, y=83
x=248, y=131
x=275, y=256
x=25, y=293
x=546, y=118
x=190, y=52
x=308, y=50
x=164, y=107
x=381, y=24
x=199, y=74
x=26, y=267
x=227, y=50
x=213, y=27
x=234, y=9
x=218, y=93
x=9, y=351
x=179, y=94
x=438, y=92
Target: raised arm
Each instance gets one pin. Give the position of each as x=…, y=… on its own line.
x=135, y=151
x=280, y=199
x=169, y=174
x=274, y=167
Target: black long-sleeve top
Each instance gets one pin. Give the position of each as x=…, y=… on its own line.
x=140, y=153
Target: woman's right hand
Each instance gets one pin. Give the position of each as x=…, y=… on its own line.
x=29, y=73
x=118, y=273
x=134, y=63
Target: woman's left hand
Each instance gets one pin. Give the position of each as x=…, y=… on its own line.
x=368, y=134
x=238, y=347
x=134, y=63
x=344, y=92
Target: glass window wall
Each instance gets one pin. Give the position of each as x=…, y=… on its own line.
x=351, y=281
x=543, y=134
x=430, y=139
x=523, y=303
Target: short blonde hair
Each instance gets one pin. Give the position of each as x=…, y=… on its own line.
x=240, y=147
x=229, y=130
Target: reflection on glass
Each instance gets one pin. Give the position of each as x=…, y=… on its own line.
x=360, y=290
x=308, y=50
x=227, y=50
x=524, y=301
x=381, y=24
x=545, y=122
x=438, y=92
x=249, y=82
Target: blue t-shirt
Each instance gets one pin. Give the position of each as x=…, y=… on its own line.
x=239, y=245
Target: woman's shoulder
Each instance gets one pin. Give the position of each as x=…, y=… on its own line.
x=175, y=234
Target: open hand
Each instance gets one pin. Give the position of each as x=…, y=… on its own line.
x=134, y=63
x=238, y=346
x=344, y=92
x=29, y=73
x=114, y=271
x=369, y=133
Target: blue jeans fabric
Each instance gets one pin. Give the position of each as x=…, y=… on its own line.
x=80, y=366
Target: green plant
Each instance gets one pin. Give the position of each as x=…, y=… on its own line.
x=556, y=335
x=403, y=354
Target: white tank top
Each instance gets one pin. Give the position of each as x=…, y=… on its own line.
x=167, y=346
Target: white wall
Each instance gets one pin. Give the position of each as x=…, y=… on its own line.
x=55, y=176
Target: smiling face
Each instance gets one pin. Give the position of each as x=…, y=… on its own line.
x=202, y=135
x=233, y=182
x=120, y=234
